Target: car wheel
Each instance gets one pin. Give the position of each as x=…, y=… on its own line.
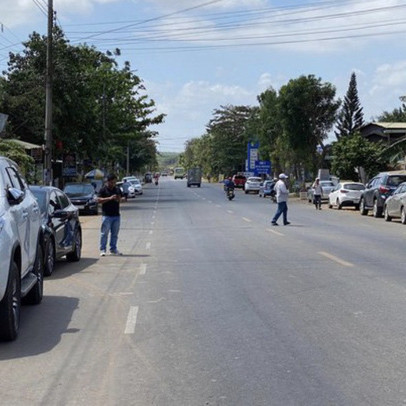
x=246, y=192
x=356, y=207
x=377, y=211
x=76, y=253
x=330, y=206
x=10, y=306
x=34, y=296
x=339, y=205
x=403, y=216
x=362, y=208
x=386, y=214
x=49, y=262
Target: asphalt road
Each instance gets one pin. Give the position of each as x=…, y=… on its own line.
x=210, y=305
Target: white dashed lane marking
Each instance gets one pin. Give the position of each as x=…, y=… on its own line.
x=336, y=259
x=131, y=320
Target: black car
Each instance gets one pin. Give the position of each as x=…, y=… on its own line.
x=83, y=196
x=378, y=190
x=61, y=230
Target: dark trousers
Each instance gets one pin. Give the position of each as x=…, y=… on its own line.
x=317, y=201
x=282, y=209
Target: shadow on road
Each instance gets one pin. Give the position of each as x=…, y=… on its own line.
x=41, y=327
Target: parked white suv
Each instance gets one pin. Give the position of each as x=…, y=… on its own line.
x=21, y=263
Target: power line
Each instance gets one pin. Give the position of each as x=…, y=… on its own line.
x=196, y=34
x=157, y=18
x=41, y=7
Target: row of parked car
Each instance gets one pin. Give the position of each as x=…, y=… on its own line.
x=38, y=225
x=384, y=195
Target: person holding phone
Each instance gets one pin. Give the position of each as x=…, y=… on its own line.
x=110, y=197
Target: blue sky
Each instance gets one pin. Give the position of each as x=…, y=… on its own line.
x=197, y=55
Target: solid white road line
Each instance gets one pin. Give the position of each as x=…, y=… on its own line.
x=246, y=219
x=336, y=259
x=131, y=320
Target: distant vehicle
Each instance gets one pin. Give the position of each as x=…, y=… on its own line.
x=131, y=189
x=378, y=190
x=83, y=196
x=395, y=205
x=148, y=177
x=267, y=189
x=194, y=177
x=239, y=181
x=253, y=184
x=346, y=193
x=179, y=173
x=61, y=230
x=136, y=184
x=164, y=173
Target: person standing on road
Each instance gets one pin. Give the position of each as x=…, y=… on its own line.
x=317, y=193
x=110, y=197
x=126, y=186
x=282, y=194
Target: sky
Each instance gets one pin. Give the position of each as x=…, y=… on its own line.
x=195, y=56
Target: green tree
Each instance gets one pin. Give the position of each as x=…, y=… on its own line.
x=270, y=129
x=307, y=110
x=351, y=117
x=97, y=107
x=228, y=138
x=350, y=154
x=18, y=154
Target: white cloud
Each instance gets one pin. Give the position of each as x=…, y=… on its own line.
x=190, y=107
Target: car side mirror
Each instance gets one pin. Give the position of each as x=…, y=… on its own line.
x=14, y=196
x=60, y=214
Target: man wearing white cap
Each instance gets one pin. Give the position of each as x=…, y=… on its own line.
x=282, y=194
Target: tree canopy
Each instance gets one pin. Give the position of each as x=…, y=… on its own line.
x=99, y=109
x=351, y=117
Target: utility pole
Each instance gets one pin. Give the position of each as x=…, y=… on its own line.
x=48, y=100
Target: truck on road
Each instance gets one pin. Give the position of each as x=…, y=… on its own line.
x=194, y=177
x=179, y=173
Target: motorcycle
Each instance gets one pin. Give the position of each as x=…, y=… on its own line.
x=230, y=193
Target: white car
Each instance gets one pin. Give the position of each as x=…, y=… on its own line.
x=131, y=189
x=253, y=184
x=21, y=256
x=136, y=184
x=346, y=193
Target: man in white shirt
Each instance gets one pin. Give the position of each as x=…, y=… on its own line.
x=282, y=194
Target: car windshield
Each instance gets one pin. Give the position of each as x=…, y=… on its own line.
x=41, y=197
x=79, y=189
x=326, y=183
x=396, y=180
x=353, y=186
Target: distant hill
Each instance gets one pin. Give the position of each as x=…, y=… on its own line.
x=167, y=159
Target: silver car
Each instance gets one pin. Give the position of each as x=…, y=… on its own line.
x=395, y=205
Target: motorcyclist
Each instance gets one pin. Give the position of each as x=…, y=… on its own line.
x=228, y=184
